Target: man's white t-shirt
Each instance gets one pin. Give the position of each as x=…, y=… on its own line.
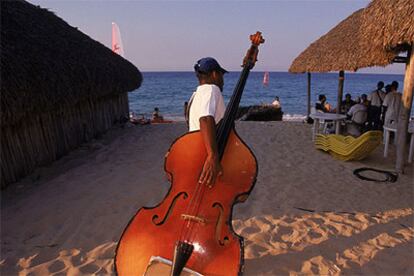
x=374, y=97
x=392, y=101
x=207, y=100
x=357, y=109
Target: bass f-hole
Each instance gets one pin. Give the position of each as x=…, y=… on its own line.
x=170, y=209
x=220, y=224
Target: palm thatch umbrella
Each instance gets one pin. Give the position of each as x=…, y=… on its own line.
x=339, y=50
x=373, y=36
x=389, y=25
x=59, y=88
x=334, y=51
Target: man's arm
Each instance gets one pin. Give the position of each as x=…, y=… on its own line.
x=384, y=107
x=350, y=112
x=212, y=167
x=383, y=112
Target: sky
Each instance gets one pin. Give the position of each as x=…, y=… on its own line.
x=173, y=35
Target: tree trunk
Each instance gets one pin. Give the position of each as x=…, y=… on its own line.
x=405, y=110
x=340, y=91
x=309, y=93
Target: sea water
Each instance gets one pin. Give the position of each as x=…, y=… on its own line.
x=169, y=90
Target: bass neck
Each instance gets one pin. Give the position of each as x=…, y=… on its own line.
x=227, y=123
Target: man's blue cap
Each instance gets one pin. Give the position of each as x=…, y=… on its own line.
x=207, y=65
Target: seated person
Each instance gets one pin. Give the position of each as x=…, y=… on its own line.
x=276, y=102
x=322, y=105
x=358, y=116
x=358, y=107
x=347, y=104
x=156, y=115
x=364, y=100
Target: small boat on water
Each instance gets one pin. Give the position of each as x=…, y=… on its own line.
x=264, y=112
x=161, y=121
x=138, y=119
x=266, y=79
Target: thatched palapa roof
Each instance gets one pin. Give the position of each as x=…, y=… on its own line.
x=46, y=63
x=333, y=51
x=389, y=23
x=369, y=37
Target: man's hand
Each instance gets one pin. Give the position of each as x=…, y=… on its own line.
x=212, y=167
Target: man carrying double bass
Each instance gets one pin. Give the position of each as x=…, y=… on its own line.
x=206, y=109
x=191, y=229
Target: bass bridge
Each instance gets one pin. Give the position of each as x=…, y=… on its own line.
x=193, y=218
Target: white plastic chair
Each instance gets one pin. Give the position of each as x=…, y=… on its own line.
x=322, y=128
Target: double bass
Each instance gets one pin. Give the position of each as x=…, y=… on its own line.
x=190, y=232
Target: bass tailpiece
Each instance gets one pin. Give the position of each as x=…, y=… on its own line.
x=182, y=253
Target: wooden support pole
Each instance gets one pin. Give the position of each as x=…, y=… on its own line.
x=405, y=110
x=309, y=93
x=340, y=91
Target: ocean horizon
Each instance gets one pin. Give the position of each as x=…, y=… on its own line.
x=168, y=90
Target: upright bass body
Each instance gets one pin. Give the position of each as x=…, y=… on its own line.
x=153, y=232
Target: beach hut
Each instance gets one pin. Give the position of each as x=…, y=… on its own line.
x=374, y=36
x=59, y=88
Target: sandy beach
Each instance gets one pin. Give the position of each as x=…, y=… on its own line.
x=307, y=215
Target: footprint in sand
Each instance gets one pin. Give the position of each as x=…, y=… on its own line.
x=77, y=259
x=255, y=251
x=89, y=269
x=249, y=230
x=57, y=266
